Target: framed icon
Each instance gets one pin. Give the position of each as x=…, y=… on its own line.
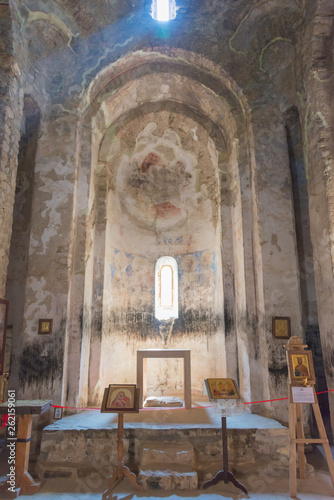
x=281, y=327
x=45, y=326
x=120, y=398
x=221, y=388
x=301, y=367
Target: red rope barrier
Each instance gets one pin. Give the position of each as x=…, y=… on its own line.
x=180, y=408
x=192, y=408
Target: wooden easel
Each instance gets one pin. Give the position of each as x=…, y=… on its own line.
x=225, y=475
x=296, y=431
x=121, y=470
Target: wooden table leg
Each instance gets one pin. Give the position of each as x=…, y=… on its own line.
x=140, y=377
x=293, y=457
x=23, y=478
x=323, y=435
x=144, y=393
x=300, y=446
x=187, y=380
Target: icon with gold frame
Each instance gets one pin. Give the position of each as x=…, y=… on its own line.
x=221, y=388
x=281, y=327
x=45, y=326
x=301, y=367
x=120, y=398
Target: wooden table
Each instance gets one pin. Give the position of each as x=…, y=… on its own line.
x=143, y=354
x=24, y=410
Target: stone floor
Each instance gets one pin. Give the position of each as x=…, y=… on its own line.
x=316, y=487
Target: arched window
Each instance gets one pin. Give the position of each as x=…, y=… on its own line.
x=163, y=10
x=166, y=289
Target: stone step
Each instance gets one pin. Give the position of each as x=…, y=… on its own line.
x=167, y=479
x=84, y=444
x=167, y=452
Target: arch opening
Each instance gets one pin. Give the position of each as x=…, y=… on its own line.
x=166, y=289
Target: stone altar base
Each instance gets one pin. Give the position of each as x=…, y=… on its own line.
x=163, y=402
x=167, y=448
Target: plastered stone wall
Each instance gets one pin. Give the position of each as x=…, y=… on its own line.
x=40, y=369
x=317, y=112
x=162, y=200
x=278, y=244
x=103, y=73
x=20, y=237
x=10, y=117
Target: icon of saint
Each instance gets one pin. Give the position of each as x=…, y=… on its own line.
x=300, y=369
x=121, y=401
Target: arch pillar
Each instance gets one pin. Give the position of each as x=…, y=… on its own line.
x=318, y=124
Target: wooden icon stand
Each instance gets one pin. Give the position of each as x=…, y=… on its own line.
x=298, y=379
x=121, y=470
x=225, y=475
x=223, y=394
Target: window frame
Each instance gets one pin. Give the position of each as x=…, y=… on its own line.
x=166, y=312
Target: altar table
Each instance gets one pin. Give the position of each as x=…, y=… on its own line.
x=24, y=409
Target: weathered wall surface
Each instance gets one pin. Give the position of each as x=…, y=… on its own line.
x=162, y=200
x=168, y=141
x=20, y=238
x=41, y=357
x=317, y=112
x=278, y=244
x=10, y=117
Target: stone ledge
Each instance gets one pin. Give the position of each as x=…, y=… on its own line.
x=163, y=402
x=175, y=452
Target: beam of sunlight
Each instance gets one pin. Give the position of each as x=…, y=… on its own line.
x=163, y=10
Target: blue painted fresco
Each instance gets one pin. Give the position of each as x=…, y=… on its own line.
x=112, y=270
x=214, y=263
x=129, y=271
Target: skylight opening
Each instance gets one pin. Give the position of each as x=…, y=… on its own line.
x=163, y=10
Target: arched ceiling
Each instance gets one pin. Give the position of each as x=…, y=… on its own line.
x=68, y=42
x=177, y=93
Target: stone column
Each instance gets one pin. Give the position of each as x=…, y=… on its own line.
x=240, y=285
x=77, y=342
x=275, y=225
x=10, y=118
x=98, y=283
x=47, y=285
x=318, y=121
x=94, y=277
